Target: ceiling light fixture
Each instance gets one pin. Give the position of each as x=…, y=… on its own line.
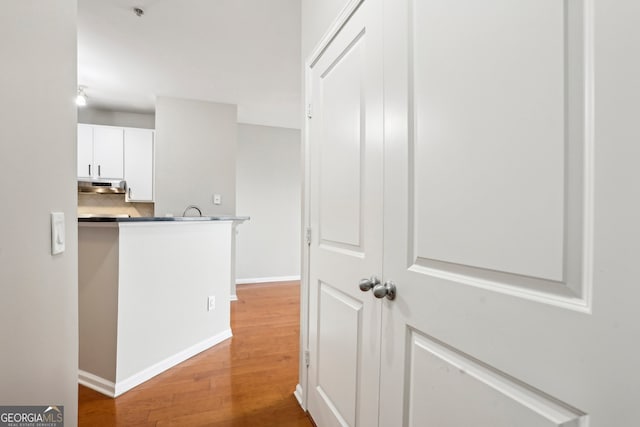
x=139, y=12
x=81, y=99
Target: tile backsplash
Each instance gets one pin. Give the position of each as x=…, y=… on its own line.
x=111, y=204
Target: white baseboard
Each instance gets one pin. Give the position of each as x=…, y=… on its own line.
x=233, y=297
x=114, y=390
x=96, y=383
x=298, y=394
x=267, y=280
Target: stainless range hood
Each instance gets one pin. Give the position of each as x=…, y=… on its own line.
x=102, y=186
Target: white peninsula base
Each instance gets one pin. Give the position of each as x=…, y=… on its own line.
x=144, y=290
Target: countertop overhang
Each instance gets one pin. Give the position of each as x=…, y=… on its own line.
x=166, y=219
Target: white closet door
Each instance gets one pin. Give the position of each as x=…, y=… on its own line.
x=345, y=135
x=511, y=214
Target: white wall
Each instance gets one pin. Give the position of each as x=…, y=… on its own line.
x=195, y=156
x=97, y=116
x=168, y=305
x=317, y=16
x=38, y=291
x=269, y=176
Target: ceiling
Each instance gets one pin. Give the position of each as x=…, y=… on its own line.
x=244, y=52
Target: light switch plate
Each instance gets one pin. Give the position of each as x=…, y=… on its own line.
x=57, y=233
x=217, y=199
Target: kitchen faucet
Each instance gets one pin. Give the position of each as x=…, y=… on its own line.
x=192, y=207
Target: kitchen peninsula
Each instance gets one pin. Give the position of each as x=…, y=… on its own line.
x=153, y=292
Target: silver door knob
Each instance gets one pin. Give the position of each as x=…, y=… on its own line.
x=388, y=289
x=368, y=284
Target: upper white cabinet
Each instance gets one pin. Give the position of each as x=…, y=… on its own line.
x=100, y=152
x=138, y=164
x=85, y=151
x=108, y=151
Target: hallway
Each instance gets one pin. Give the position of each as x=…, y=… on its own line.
x=245, y=381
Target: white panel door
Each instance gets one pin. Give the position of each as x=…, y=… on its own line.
x=108, y=152
x=511, y=214
x=85, y=151
x=345, y=135
x=138, y=164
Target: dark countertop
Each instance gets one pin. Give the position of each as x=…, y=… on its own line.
x=163, y=218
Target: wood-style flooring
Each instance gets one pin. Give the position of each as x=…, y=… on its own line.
x=247, y=380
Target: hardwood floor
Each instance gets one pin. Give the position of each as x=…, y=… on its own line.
x=245, y=381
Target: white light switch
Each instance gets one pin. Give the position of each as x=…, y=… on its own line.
x=217, y=199
x=57, y=233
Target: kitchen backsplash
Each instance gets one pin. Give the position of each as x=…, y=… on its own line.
x=111, y=204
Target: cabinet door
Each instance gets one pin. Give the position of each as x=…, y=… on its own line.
x=85, y=151
x=138, y=164
x=108, y=152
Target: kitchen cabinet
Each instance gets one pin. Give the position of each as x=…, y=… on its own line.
x=108, y=152
x=138, y=164
x=85, y=151
x=100, y=152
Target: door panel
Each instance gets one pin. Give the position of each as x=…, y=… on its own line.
x=489, y=132
x=441, y=378
x=497, y=147
x=498, y=188
x=339, y=317
x=345, y=149
x=342, y=148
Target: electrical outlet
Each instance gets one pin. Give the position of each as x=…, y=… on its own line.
x=211, y=303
